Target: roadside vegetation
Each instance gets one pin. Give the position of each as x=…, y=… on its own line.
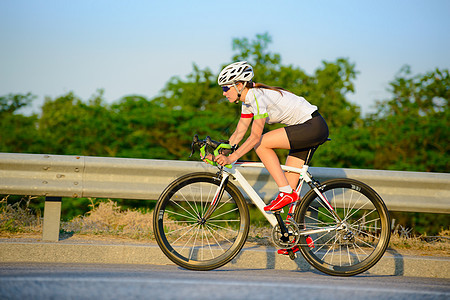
x=106, y=220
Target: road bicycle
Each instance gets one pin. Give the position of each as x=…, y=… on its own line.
x=201, y=220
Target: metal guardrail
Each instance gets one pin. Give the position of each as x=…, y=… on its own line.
x=127, y=178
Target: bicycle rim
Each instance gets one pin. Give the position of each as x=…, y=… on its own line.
x=354, y=243
x=186, y=237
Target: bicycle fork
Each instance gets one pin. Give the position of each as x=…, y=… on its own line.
x=217, y=196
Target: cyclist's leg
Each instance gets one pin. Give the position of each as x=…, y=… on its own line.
x=265, y=150
x=275, y=139
x=303, y=137
x=291, y=177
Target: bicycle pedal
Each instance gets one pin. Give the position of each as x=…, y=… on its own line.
x=292, y=255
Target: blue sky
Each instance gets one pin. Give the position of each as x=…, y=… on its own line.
x=51, y=47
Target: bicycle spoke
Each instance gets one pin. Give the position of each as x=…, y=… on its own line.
x=356, y=201
x=183, y=228
x=224, y=228
x=214, y=237
x=360, y=249
x=363, y=232
x=319, y=222
x=218, y=233
x=187, y=242
x=208, y=243
x=227, y=212
x=191, y=217
x=193, y=244
x=357, y=210
x=180, y=206
x=224, y=203
x=190, y=228
x=197, y=214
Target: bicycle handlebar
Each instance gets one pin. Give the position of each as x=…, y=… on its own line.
x=207, y=145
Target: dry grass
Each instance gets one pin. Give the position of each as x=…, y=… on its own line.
x=260, y=235
x=18, y=217
x=107, y=219
x=422, y=245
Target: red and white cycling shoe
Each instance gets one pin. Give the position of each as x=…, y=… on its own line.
x=310, y=242
x=286, y=251
x=281, y=201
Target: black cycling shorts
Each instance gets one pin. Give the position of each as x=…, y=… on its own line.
x=303, y=137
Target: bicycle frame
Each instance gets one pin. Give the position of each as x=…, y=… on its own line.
x=259, y=203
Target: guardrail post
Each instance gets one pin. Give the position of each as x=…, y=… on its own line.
x=52, y=216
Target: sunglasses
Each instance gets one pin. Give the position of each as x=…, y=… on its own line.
x=225, y=88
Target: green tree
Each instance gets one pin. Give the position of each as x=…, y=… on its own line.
x=410, y=131
x=18, y=133
x=149, y=129
x=11, y=103
x=70, y=126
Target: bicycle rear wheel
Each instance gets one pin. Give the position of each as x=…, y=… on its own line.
x=186, y=237
x=354, y=243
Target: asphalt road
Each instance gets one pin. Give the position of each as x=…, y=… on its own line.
x=105, y=281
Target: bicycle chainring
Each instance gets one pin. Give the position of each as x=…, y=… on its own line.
x=291, y=240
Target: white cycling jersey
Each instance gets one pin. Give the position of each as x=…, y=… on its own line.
x=285, y=108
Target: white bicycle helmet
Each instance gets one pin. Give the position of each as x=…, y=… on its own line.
x=238, y=71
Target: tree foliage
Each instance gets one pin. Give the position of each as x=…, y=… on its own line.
x=18, y=133
x=409, y=131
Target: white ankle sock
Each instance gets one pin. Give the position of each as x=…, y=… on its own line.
x=285, y=189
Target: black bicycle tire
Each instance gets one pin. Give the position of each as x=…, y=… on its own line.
x=166, y=247
x=377, y=253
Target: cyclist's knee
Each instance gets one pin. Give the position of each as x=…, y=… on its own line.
x=260, y=147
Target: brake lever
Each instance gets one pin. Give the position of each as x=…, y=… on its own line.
x=193, y=144
x=196, y=142
x=192, y=150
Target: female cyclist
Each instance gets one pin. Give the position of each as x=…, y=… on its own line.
x=305, y=127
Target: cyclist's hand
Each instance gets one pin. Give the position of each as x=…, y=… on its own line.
x=207, y=156
x=223, y=160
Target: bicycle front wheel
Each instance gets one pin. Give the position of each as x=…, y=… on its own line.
x=353, y=238
x=188, y=238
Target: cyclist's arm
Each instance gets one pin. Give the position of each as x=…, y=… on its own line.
x=235, y=138
x=240, y=131
x=252, y=140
